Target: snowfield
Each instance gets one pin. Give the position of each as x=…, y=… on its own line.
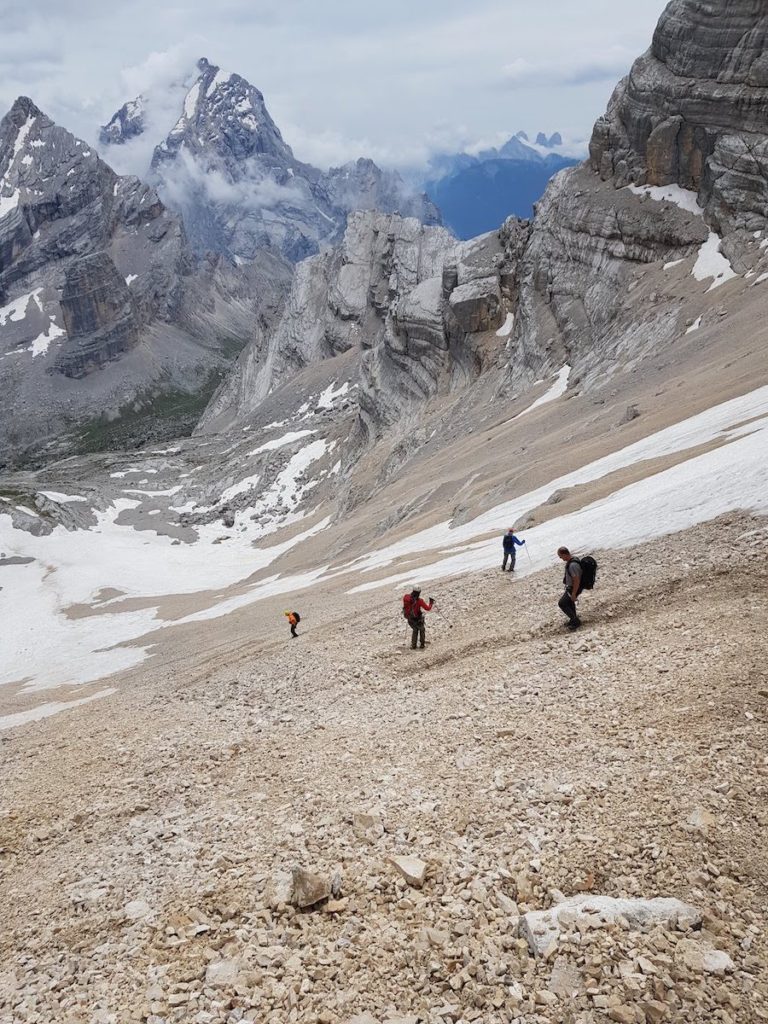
x=662, y=503
x=46, y=644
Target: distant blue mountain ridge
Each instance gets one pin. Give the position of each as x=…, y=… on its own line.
x=476, y=194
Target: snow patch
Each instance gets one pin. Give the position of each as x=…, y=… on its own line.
x=280, y=442
x=681, y=197
x=327, y=398
x=556, y=391
x=673, y=263
x=506, y=329
x=43, y=647
x=241, y=487
x=711, y=263
x=695, y=325
x=220, y=78
x=16, y=309
x=8, y=203
x=42, y=342
x=61, y=499
x=663, y=503
x=21, y=138
x=52, y=707
x=130, y=278
x=190, y=101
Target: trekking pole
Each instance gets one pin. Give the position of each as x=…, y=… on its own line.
x=528, y=552
x=444, y=617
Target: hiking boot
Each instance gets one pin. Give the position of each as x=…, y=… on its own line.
x=573, y=626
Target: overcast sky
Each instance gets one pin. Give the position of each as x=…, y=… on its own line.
x=342, y=78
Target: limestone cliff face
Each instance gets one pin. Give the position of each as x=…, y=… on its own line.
x=98, y=315
x=691, y=114
x=407, y=298
x=577, y=273
x=694, y=110
x=689, y=122
x=101, y=301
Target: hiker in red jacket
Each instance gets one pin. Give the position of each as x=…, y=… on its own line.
x=413, y=610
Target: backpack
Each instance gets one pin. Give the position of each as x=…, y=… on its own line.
x=408, y=608
x=297, y=617
x=588, y=572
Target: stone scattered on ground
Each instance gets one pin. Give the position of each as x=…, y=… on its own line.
x=148, y=843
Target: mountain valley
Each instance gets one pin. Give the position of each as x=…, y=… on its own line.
x=245, y=385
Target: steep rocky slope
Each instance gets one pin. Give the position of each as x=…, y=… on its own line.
x=227, y=169
x=515, y=774
x=412, y=304
x=677, y=171
x=681, y=195
x=103, y=311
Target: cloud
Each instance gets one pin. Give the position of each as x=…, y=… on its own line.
x=162, y=80
x=341, y=79
x=185, y=179
x=607, y=67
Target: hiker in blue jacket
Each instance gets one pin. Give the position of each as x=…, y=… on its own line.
x=510, y=555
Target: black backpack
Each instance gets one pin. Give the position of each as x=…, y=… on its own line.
x=297, y=617
x=588, y=572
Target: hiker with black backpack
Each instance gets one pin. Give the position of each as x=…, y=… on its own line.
x=413, y=610
x=580, y=574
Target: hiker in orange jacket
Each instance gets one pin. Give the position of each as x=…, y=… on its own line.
x=293, y=618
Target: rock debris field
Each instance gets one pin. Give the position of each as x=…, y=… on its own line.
x=516, y=825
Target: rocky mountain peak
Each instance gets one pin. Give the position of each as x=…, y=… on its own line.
x=127, y=123
x=224, y=116
x=550, y=142
x=46, y=175
x=226, y=168
x=100, y=301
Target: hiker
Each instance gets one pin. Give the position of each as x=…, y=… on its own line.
x=510, y=541
x=580, y=574
x=572, y=583
x=294, y=619
x=413, y=610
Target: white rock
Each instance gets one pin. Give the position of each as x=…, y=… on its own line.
x=222, y=973
x=413, y=870
x=137, y=910
x=700, y=818
x=279, y=889
x=566, y=981
x=703, y=959
x=541, y=928
x=717, y=961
